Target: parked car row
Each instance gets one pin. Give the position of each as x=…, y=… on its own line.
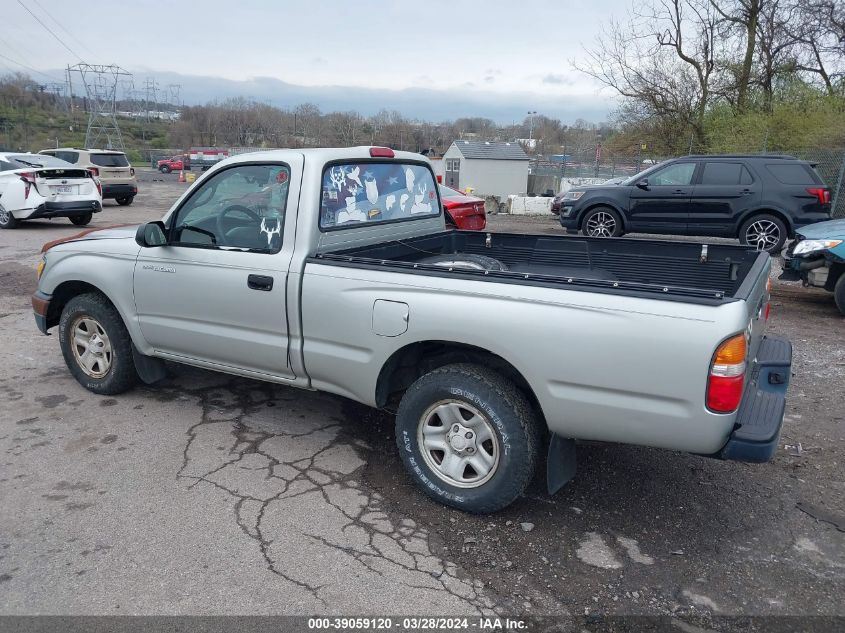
x=63, y=183
x=761, y=200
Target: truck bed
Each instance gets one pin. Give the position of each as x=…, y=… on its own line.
x=678, y=271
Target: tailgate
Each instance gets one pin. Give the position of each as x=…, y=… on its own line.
x=57, y=182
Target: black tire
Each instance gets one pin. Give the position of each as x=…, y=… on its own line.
x=601, y=222
x=7, y=220
x=120, y=374
x=839, y=293
x=81, y=220
x=506, y=411
x=465, y=260
x=124, y=201
x=764, y=225
x=164, y=169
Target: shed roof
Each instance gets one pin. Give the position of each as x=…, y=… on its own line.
x=490, y=151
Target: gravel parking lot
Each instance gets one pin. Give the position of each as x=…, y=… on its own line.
x=219, y=495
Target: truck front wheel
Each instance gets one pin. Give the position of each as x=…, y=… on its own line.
x=164, y=169
x=468, y=437
x=96, y=345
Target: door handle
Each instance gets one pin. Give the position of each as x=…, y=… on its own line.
x=747, y=192
x=260, y=282
x=680, y=192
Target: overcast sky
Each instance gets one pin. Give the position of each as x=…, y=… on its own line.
x=499, y=58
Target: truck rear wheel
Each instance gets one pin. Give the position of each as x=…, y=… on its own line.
x=124, y=201
x=164, y=169
x=96, y=345
x=468, y=437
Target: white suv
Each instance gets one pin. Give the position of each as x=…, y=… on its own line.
x=110, y=166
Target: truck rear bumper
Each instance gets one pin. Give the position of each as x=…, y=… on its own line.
x=760, y=416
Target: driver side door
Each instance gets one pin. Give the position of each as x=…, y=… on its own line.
x=215, y=294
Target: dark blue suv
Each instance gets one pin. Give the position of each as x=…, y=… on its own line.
x=758, y=199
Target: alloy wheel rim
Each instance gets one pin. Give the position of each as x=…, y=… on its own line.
x=91, y=346
x=4, y=215
x=602, y=224
x=764, y=235
x=458, y=444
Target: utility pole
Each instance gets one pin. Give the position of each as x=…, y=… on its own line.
x=531, y=129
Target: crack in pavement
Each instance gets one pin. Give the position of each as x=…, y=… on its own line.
x=294, y=483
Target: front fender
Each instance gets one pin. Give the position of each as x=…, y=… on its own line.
x=110, y=275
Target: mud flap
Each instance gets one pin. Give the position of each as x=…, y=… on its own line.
x=150, y=370
x=560, y=463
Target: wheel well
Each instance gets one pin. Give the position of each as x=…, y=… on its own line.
x=597, y=205
x=62, y=294
x=413, y=361
x=780, y=215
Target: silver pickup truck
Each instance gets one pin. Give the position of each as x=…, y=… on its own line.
x=332, y=270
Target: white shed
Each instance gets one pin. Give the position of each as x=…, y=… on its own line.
x=493, y=169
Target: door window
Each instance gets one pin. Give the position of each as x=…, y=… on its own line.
x=725, y=174
x=242, y=207
x=676, y=174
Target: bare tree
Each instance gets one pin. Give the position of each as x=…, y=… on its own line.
x=742, y=15
x=820, y=30
x=662, y=58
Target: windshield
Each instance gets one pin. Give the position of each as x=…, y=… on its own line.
x=38, y=160
x=110, y=160
x=376, y=192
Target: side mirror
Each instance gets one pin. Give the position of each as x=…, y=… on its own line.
x=643, y=183
x=151, y=234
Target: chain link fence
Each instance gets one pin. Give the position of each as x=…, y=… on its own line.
x=589, y=165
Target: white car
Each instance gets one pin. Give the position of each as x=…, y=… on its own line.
x=37, y=186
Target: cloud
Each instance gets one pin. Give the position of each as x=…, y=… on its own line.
x=493, y=71
x=557, y=78
x=319, y=61
x=489, y=79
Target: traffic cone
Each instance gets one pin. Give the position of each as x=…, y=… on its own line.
x=181, y=175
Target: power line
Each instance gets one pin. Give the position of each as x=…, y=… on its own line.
x=49, y=30
x=30, y=68
x=59, y=24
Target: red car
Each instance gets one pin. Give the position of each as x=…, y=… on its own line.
x=177, y=163
x=465, y=212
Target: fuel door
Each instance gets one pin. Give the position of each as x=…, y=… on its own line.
x=390, y=318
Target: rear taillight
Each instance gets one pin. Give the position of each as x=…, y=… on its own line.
x=131, y=171
x=29, y=179
x=822, y=193
x=97, y=183
x=727, y=375
x=94, y=171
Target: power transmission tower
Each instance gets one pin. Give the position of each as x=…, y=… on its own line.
x=174, y=96
x=59, y=92
x=151, y=87
x=100, y=84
